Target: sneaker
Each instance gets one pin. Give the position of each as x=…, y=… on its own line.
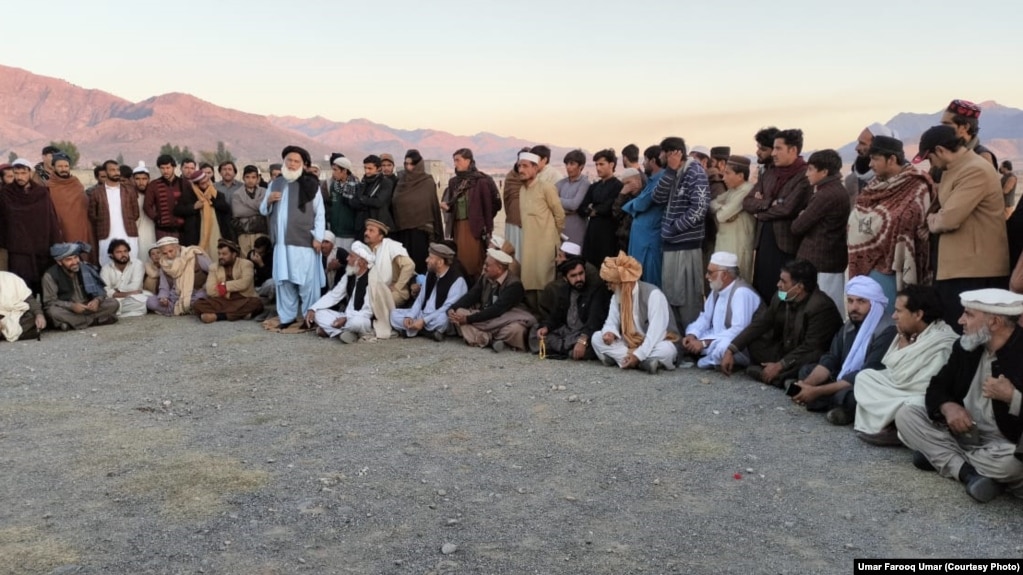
x=438, y=336
x=839, y=416
x=650, y=366
x=921, y=462
x=497, y=346
x=208, y=317
x=349, y=337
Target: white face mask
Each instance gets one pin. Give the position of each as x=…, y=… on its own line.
x=291, y=175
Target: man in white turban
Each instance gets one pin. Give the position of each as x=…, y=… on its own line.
x=861, y=343
x=347, y=310
x=861, y=173
x=971, y=420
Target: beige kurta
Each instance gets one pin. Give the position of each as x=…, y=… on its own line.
x=735, y=227
x=543, y=220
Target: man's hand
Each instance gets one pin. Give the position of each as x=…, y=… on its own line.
x=164, y=302
x=419, y=324
x=693, y=345
x=542, y=332
x=93, y=305
x=310, y=316
x=630, y=362
x=579, y=351
x=407, y=323
x=806, y=394
x=956, y=416
x=340, y=322
x=78, y=308
x=674, y=159
x=608, y=338
x=444, y=206
x=256, y=259
x=771, y=371
x=727, y=363
x=197, y=205
x=316, y=246
x=1000, y=389
x=274, y=197
x=414, y=290
x=40, y=322
x=333, y=265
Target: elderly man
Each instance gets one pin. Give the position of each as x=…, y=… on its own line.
x=230, y=292
x=973, y=249
x=347, y=310
x=863, y=172
x=860, y=344
x=917, y=353
x=297, y=221
x=794, y=330
x=444, y=286
x=727, y=312
x=123, y=278
x=20, y=312
x=73, y=294
x=685, y=193
x=28, y=225
x=971, y=421
x=333, y=259
x=543, y=220
x=490, y=314
x=580, y=310
x=183, y=274
x=114, y=211
x=390, y=278
x=640, y=330
x=71, y=203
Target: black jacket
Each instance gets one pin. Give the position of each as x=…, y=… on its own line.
x=593, y=303
x=191, y=231
x=490, y=299
x=953, y=381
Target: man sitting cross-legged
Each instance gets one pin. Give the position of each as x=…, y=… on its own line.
x=444, y=286
x=580, y=310
x=491, y=313
x=347, y=310
x=20, y=312
x=230, y=291
x=73, y=293
x=123, y=277
x=183, y=274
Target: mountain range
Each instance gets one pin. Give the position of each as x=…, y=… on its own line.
x=35, y=110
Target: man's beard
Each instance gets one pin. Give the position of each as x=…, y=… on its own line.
x=291, y=175
x=352, y=270
x=971, y=341
x=64, y=175
x=113, y=179
x=123, y=260
x=716, y=286
x=579, y=286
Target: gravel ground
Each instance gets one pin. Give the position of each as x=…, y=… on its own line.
x=167, y=446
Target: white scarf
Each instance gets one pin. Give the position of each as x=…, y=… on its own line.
x=864, y=287
x=385, y=253
x=13, y=293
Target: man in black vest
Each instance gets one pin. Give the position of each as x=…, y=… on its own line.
x=73, y=294
x=443, y=287
x=580, y=309
x=346, y=310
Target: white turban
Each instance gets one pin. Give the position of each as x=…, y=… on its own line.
x=530, y=157
x=361, y=250
x=879, y=129
x=993, y=301
x=866, y=288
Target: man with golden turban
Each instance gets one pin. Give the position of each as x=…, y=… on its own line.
x=640, y=329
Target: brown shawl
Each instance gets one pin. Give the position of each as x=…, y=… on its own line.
x=414, y=204
x=72, y=205
x=888, y=227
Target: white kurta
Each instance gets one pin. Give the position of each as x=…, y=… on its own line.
x=880, y=393
x=117, y=230
x=125, y=281
x=655, y=346
x=435, y=317
x=147, y=229
x=360, y=320
x=298, y=270
x=711, y=323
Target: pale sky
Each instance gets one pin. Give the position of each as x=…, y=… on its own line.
x=591, y=74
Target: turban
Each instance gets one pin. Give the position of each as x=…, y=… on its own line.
x=362, y=251
x=328, y=236
x=866, y=288
x=993, y=301
x=61, y=251
x=141, y=168
x=621, y=269
x=306, y=158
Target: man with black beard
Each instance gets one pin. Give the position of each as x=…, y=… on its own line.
x=114, y=212
x=580, y=311
x=123, y=279
x=861, y=174
x=429, y=312
x=71, y=203
x=28, y=225
x=971, y=421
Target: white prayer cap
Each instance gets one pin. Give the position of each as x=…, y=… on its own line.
x=725, y=259
x=21, y=162
x=362, y=250
x=628, y=173
x=141, y=168
x=497, y=242
x=529, y=156
x=343, y=162
x=571, y=248
x=993, y=301
x=166, y=241
x=879, y=129
x=500, y=256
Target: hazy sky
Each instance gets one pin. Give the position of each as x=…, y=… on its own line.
x=590, y=74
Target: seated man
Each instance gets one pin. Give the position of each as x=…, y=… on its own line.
x=860, y=344
x=347, y=310
x=727, y=312
x=20, y=312
x=491, y=313
x=183, y=274
x=549, y=296
x=73, y=293
x=389, y=277
x=429, y=313
x=123, y=278
x=262, y=258
x=230, y=291
x=640, y=329
x=581, y=308
x=333, y=258
x=916, y=355
x=151, y=282
x=794, y=330
x=970, y=422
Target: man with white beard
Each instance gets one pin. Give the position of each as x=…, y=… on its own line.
x=971, y=423
x=295, y=208
x=347, y=310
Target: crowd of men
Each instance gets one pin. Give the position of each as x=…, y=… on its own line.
x=884, y=299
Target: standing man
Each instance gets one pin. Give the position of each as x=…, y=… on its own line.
x=342, y=189
x=228, y=183
x=206, y=213
x=973, y=251
x=964, y=117
x=862, y=172
x=775, y=200
x=543, y=220
x=44, y=169
x=600, y=240
x=246, y=221
x=297, y=222
x=821, y=226
x=645, y=232
x=387, y=168
x=230, y=292
x=71, y=204
x=188, y=168
x=373, y=202
x=123, y=278
x=1008, y=186
x=73, y=294
x=469, y=211
x=162, y=195
x=145, y=225
x=28, y=225
x=547, y=173
x=114, y=212
x=429, y=313
x=685, y=193
x=571, y=191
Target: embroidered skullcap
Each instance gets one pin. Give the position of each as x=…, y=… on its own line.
x=964, y=108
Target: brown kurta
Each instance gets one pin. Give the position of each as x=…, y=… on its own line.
x=72, y=206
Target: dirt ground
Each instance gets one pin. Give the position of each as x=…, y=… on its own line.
x=166, y=446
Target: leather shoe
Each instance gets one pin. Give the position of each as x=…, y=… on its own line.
x=982, y=489
x=921, y=462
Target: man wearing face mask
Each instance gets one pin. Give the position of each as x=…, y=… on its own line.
x=795, y=329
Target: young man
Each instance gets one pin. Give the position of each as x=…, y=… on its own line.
x=246, y=221
x=571, y=190
x=114, y=212
x=231, y=294
x=124, y=278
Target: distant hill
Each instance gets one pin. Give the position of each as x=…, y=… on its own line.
x=37, y=109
